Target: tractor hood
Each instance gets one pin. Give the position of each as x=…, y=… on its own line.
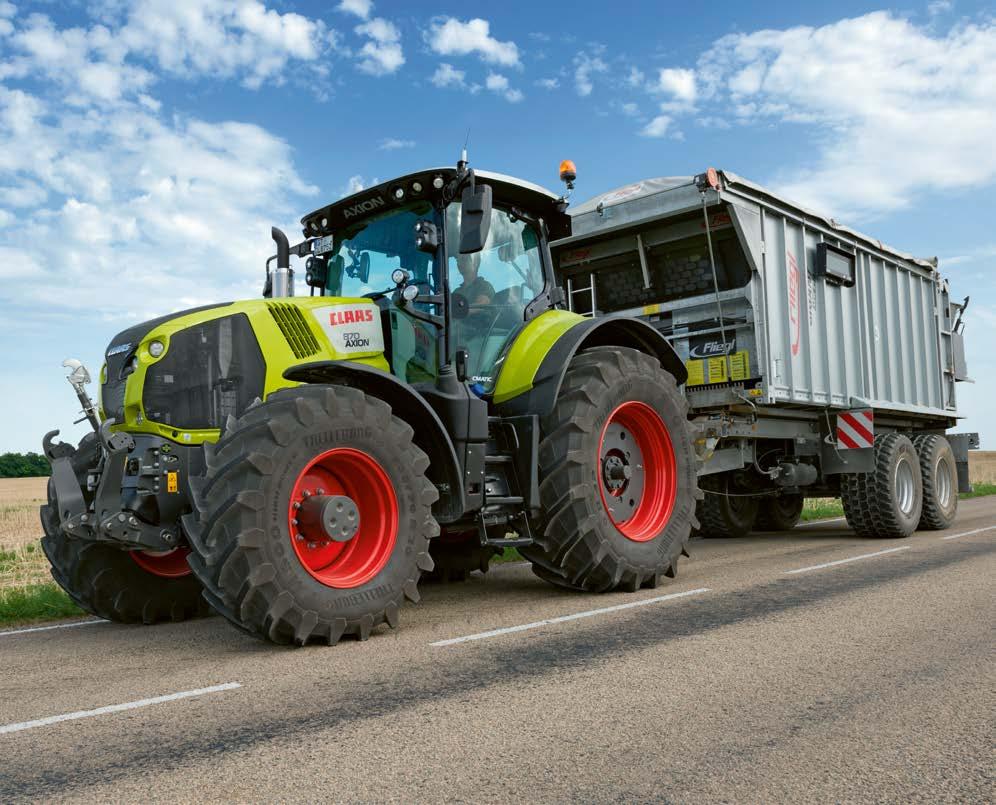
x=181, y=376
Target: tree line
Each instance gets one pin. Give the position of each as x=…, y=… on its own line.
x=23, y=465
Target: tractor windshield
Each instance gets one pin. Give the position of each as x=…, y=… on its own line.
x=367, y=253
x=496, y=285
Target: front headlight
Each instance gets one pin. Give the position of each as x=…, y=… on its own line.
x=156, y=348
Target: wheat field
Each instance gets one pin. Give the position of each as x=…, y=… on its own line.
x=22, y=562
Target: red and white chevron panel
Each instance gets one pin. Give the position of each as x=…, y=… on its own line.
x=856, y=429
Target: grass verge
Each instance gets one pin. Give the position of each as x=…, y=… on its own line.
x=35, y=602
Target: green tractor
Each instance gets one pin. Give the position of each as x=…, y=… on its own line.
x=296, y=463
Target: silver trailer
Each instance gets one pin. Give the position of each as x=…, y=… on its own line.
x=820, y=361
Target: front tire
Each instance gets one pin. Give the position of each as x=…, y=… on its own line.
x=618, y=474
x=115, y=584
x=279, y=569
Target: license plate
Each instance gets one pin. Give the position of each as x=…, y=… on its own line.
x=323, y=245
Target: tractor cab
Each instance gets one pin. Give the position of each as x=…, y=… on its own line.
x=457, y=260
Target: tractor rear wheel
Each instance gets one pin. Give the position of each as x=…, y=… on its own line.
x=314, y=518
x=723, y=513
x=618, y=474
x=115, y=584
x=780, y=513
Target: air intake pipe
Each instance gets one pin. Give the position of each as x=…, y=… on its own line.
x=283, y=276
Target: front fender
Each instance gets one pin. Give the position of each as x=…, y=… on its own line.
x=537, y=371
x=407, y=404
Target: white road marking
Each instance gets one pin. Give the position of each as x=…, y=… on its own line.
x=825, y=520
x=845, y=561
x=56, y=626
x=969, y=533
x=116, y=708
x=564, y=618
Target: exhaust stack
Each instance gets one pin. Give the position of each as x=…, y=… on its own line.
x=283, y=276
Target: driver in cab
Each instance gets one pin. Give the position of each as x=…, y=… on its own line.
x=474, y=288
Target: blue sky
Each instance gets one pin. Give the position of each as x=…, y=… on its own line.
x=146, y=147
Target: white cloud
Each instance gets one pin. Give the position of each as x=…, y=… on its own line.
x=361, y=8
x=585, y=66
x=635, y=78
x=212, y=38
x=393, y=144
x=658, y=127
x=357, y=183
x=629, y=109
x=150, y=207
x=895, y=108
x=449, y=36
x=499, y=85
x=939, y=7
x=382, y=55
x=447, y=75
x=548, y=83
x=678, y=83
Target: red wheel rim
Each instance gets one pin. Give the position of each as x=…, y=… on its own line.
x=167, y=564
x=356, y=475
x=638, y=477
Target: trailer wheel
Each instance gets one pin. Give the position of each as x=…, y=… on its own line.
x=780, y=513
x=887, y=502
x=115, y=584
x=314, y=517
x=618, y=474
x=724, y=514
x=940, y=481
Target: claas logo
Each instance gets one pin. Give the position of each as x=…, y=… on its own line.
x=337, y=317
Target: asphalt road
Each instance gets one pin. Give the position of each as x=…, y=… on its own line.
x=864, y=680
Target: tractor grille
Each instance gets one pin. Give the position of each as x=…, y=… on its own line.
x=295, y=329
x=209, y=371
x=112, y=391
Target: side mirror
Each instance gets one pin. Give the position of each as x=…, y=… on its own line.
x=475, y=218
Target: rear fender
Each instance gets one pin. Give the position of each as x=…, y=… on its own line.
x=636, y=334
x=408, y=405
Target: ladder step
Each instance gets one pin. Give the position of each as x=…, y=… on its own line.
x=509, y=543
x=503, y=501
x=497, y=459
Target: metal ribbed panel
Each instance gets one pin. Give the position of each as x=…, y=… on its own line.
x=295, y=329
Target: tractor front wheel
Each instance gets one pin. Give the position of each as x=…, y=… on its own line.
x=618, y=485
x=115, y=584
x=314, y=518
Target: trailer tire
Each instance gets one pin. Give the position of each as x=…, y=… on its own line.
x=291, y=582
x=619, y=427
x=780, y=513
x=940, y=481
x=112, y=583
x=726, y=515
x=885, y=503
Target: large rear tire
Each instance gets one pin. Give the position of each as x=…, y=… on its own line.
x=887, y=502
x=940, y=481
x=115, y=584
x=618, y=474
x=269, y=561
x=780, y=513
x=724, y=513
